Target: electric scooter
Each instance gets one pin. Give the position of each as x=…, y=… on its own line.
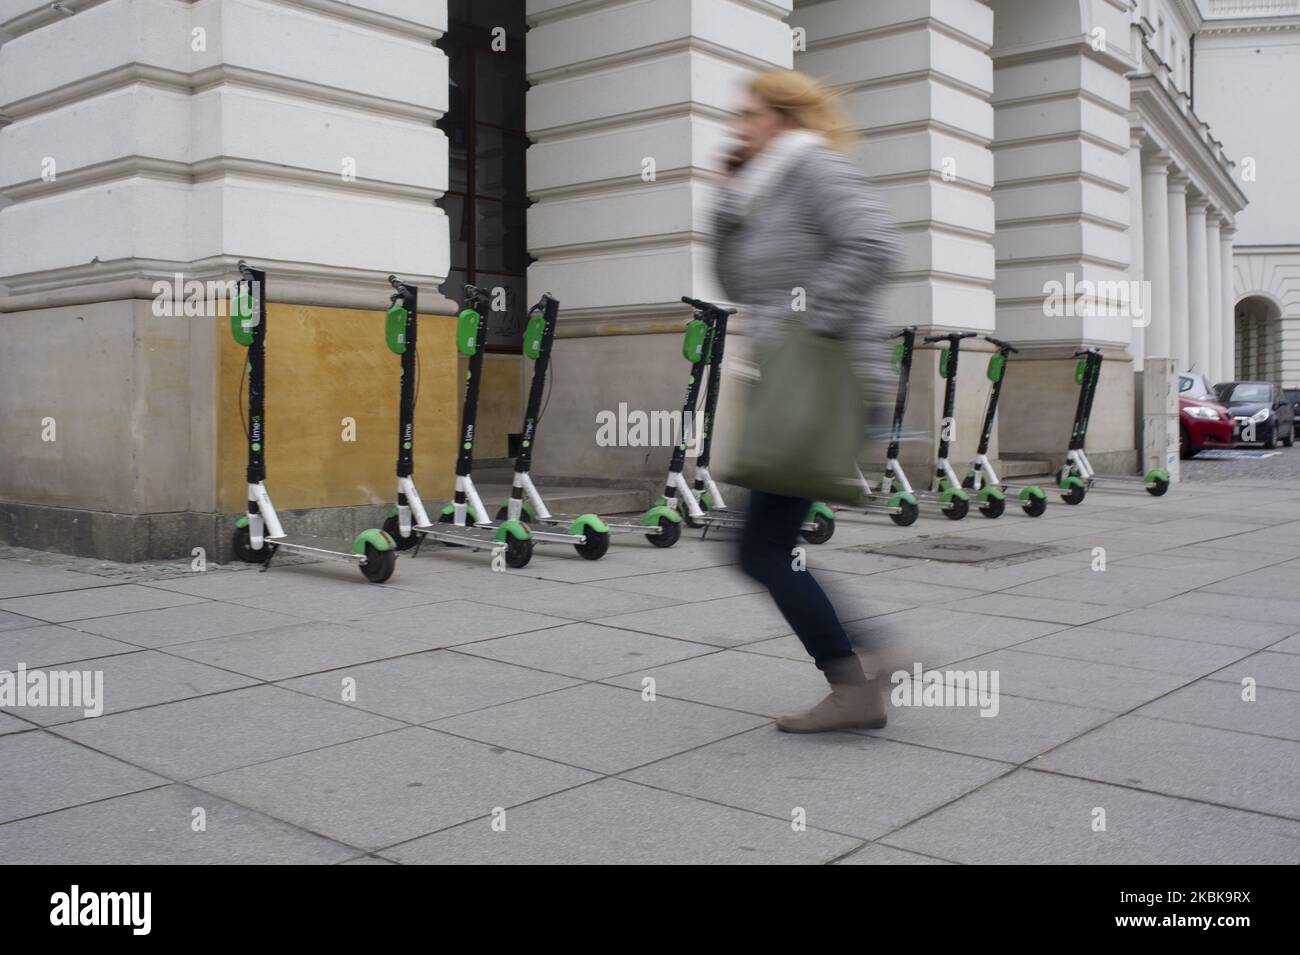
x=588, y=533
x=463, y=521
x=703, y=504
x=981, y=478
x=945, y=490
x=1076, y=476
x=259, y=534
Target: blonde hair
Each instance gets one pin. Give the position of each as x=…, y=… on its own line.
x=805, y=104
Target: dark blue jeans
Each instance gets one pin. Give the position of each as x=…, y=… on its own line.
x=766, y=553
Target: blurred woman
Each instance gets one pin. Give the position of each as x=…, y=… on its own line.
x=799, y=234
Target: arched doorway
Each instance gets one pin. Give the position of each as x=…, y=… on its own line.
x=1259, y=339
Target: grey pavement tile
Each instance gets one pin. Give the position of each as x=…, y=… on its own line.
x=846, y=783
x=866, y=592
x=374, y=792
x=627, y=559
x=44, y=773
x=616, y=822
x=346, y=603
x=156, y=827
x=441, y=581
x=1276, y=585
x=1046, y=609
x=1290, y=645
x=1273, y=712
x=578, y=601
x=588, y=651
x=96, y=602
x=978, y=576
x=1267, y=609
x=727, y=621
x=1135, y=650
x=1077, y=682
x=427, y=686
x=185, y=624
x=12, y=724
x=210, y=734
x=454, y=622
x=368, y=860
x=599, y=727
x=240, y=586
x=1118, y=585
x=1162, y=621
x=688, y=585
x=878, y=854
x=13, y=621
x=1267, y=669
x=751, y=682
x=18, y=579
x=853, y=561
x=48, y=645
x=300, y=649
x=1196, y=762
x=1019, y=730
x=130, y=681
x=1033, y=818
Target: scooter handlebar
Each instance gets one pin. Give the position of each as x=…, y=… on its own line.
x=1001, y=344
x=950, y=337
x=1087, y=351
x=707, y=306
x=900, y=334
x=541, y=303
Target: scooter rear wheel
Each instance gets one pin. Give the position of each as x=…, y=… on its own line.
x=596, y=546
x=1075, y=495
x=393, y=528
x=956, y=509
x=379, y=565
x=669, y=532
x=1035, y=506
x=994, y=507
x=823, y=530
x=907, y=514
x=518, y=552
x=1158, y=487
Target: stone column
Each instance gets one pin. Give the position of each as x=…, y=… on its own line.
x=1214, y=297
x=1155, y=251
x=1228, y=280
x=1136, y=245
x=1198, y=293
x=1179, y=341
x=917, y=80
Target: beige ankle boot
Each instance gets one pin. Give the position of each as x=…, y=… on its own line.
x=855, y=702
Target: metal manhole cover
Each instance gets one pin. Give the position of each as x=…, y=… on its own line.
x=959, y=550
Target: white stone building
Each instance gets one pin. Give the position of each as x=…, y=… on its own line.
x=1020, y=143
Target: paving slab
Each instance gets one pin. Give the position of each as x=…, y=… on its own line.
x=1267, y=669
x=845, y=783
x=44, y=773
x=375, y=792
x=94, y=602
x=223, y=731
x=18, y=579
x=1162, y=621
x=1035, y=818
x=184, y=624
x=451, y=623
x=1046, y=609
x=588, y=651
x=1135, y=650
x=1233, y=607
x=161, y=827
x=578, y=601
x=427, y=686
x=49, y=645
x=725, y=622
x=616, y=822
x=1273, y=712
x=1239, y=770
x=13, y=621
x=878, y=854
x=599, y=727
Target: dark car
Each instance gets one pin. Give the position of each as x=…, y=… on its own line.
x=1293, y=396
x=1202, y=421
x=1262, y=412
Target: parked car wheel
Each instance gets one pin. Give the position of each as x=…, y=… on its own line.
x=1289, y=440
x=1184, y=444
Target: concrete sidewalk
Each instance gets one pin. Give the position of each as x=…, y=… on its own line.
x=303, y=715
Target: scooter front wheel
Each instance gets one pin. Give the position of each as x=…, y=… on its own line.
x=244, y=549
x=393, y=528
x=1158, y=487
x=1035, y=506
x=1075, y=495
x=380, y=564
x=596, y=545
x=823, y=530
x=956, y=509
x=994, y=507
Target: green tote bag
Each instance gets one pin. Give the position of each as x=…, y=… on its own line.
x=804, y=422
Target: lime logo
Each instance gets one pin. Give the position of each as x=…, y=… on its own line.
x=407, y=445
x=468, y=445
x=257, y=446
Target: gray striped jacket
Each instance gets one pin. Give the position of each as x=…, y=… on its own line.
x=820, y=228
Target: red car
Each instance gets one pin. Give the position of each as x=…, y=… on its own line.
x=1202, y=421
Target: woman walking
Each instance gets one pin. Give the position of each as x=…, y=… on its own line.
x=799, y=235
